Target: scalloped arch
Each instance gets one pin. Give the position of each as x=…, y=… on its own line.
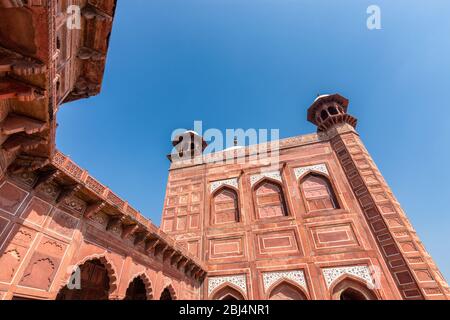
x=148, y=284
x=172, y=291
x=111, y=270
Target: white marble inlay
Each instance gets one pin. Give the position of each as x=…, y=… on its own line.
x=297, y=276
x=217, y=184
x=257, y=177
x=317, y=167
x=361, y=272
x=239, y=281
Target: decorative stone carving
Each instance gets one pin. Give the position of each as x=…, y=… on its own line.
x=75, y=204
x=50, y=189
x=239, y=281
x=317, y=167
x=19, y=90
x=91, y=12
x=26, y=177
x=18, y=64
x=28, y=163
x=297, y=276
x=87, y=53
x=217, y=184
x=15, y=123
x=84, y=88
x=101, y=218
x=22, y=142
x=275, y=175
x=361, y=272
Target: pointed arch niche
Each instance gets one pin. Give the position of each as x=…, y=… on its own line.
x=350, y=282
x=227, y=292
x=286, y=290
x=316, y=188
x=269, y=199
x=225, y=206
x=350, y=288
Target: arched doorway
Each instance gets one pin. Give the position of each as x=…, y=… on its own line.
x=286, y=291
x=351, y=289
x=228, y=293
x=168, y=294
x=136, y=290
x=94, y=283
x=352, y=294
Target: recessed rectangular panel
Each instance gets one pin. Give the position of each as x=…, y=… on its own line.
x=168, y=225
x=226, y=247
x=278, y=242
x=334, y=236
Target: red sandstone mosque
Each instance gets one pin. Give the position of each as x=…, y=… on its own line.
x=323, y=225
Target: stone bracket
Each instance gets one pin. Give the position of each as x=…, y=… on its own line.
x=15, y=123
x=28, y=163
x=129, y=229
x=94, y=208
x=85, y=53
x=46, y=177
x=67, y=192
x=20, y=142
x=18, y=64
x=14, y=89
x=140, y=237
x=114, y=221
x=90, y=12
x=150, y=244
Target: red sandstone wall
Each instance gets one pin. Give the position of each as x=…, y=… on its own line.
x=241, y=255
x=40, y=240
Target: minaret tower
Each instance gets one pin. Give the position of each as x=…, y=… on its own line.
x=328, y=110
x=413, y=271
x=187, y=146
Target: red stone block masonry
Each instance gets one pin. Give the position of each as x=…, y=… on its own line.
x=322, y=225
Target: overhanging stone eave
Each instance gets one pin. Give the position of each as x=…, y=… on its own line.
x=70, y=171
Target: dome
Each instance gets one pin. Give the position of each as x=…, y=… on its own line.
x=233, y=148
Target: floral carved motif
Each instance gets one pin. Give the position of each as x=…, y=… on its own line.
x=317, y=167
x=75, y=204
x=239, y=281
x=297, y=276
x=217, y=184
x=275, y=175
x=361, y=272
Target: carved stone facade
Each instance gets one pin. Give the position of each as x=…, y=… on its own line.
x=323, y=226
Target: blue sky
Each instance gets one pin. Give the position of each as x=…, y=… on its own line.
x=260, y=64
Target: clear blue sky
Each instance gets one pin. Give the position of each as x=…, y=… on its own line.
x=259, y=64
